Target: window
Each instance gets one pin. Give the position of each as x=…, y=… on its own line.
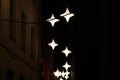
x=22, y=77
x=0, y=13
x=10, y=75
x=33, y=43
x=41, y=72
x=23, y=31
x=34, y=2
x=12, y=18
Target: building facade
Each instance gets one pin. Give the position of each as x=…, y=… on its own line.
x=19, y=40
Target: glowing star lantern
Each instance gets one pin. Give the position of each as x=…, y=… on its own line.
x=66, y=66
x=66, y=77
x=61, y=79
x=66, y=51
x=53, y=44
x=67, y=73
x=67, y=15
x=52, y=20
x=57, y=73
x=63, y=74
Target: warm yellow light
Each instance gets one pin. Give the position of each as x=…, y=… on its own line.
x=53, y=44
x=66, y=51
x=66, y=66
x=67, y=15
x=52, y=20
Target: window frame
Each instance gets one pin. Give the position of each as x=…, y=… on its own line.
x=10, y=74
x=12, y=14
x=23, y=31
x=33, y=52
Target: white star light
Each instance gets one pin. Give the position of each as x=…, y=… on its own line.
x=66, y=77
x=67, y=15
x=53, y=44
x=67, y=73
x=66, y=66
x=63, y=74
x=57, y=73
x=61, y=79
x=66, y=51
x=52, y=20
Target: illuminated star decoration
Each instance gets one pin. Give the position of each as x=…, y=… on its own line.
x=57, y=73
x=66, y=66
x=53, y=44
x=61, y=79
x=52, y=20
x=67, y=75
x=63, y=74
x=66, y=51
x=67, y=15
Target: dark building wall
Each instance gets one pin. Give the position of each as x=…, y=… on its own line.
x=18, y=49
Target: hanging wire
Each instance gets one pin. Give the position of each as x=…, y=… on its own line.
x=19, y=21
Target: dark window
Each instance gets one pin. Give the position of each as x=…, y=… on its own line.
x=23, y=31
x=33, y=43
x=41, y=72
x=10, y=75
x=0, y=14
x=22, y=77
x=34, y=2
x=12, y=18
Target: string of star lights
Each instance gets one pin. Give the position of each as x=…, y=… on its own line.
x=61, y=75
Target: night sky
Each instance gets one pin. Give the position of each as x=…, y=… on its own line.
x=84, y=36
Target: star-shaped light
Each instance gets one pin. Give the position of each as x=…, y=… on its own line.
x=66, y=66
x=67, y=15
x=66, y=51
x=52, y=20
x=63, y=74
x=61, y=79
x=53, y=44
x=67, y=73
x=57, y=73
x=66, y=77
